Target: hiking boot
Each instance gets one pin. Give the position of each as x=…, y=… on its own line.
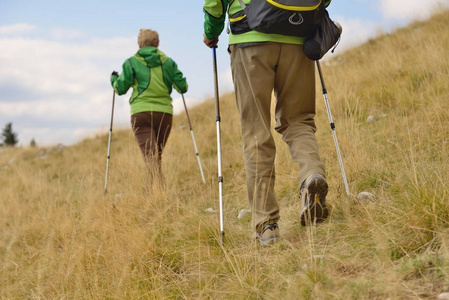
x=269, y=235
x=312, y=194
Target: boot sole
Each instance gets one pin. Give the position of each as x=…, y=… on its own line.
x=268, y=240
x=316, y=211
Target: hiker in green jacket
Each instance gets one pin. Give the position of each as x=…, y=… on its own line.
x=151, y=74
x=261, y=63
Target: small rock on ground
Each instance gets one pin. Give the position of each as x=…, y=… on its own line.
x=243, y=212
x=443, y=296
x=365, y=197
x=370, y=119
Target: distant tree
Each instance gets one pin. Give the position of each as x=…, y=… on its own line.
x=9, y=137
x=33, y=143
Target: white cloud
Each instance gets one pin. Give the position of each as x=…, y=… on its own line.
x=63, y=110
x=355, y=32
x=178, y=105
x=49, y=66
x=16, y=29
x=67, y=81
x=56, y=135
x=394, y=12
x=410, y=9
x=226, y=82
x=66, y=34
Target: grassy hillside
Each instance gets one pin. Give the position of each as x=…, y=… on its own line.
x=62, y=238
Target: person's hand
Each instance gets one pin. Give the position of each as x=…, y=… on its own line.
x=114, y=73
x=210, y=43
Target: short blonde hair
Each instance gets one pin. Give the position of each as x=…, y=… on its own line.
x=148, y=37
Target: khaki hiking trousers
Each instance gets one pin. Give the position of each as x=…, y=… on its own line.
x=257, y=71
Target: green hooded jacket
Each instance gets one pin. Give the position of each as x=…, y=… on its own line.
x=215, y=17
x=152, y=75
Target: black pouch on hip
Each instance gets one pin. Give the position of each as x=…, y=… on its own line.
x=325, y=37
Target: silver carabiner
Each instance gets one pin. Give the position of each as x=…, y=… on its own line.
x=300, y=20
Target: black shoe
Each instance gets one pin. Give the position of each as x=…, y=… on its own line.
x=313, y=200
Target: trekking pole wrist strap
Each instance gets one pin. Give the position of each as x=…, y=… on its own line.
x=242, y=4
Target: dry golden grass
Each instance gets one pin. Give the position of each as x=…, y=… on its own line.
x=62, y=238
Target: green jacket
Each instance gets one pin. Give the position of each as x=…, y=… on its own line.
x=152, y=75
x=214, y=21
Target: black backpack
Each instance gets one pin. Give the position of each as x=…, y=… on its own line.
x=302, y=18
x=287, y=17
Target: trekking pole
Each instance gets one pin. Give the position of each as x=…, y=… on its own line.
x=217, y=119
x=109, y=144
x=332, y=127
x=193, y=139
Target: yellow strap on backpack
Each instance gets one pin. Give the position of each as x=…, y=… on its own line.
x=293, y=8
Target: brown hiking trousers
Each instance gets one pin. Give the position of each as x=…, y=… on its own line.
x=152, y=130
x=257, y=71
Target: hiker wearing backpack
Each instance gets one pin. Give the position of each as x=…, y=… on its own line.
x=262, y=62
x=152, y=76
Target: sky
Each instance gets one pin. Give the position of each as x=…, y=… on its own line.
x=56, y=56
